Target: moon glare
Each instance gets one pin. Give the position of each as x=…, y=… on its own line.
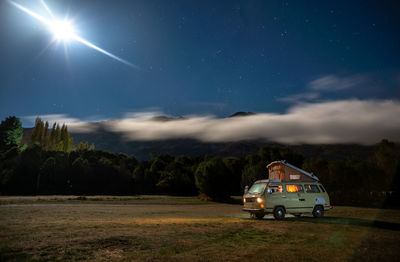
x=63, y=30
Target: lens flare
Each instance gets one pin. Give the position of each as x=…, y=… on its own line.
x=47, y=8
x=63, y=30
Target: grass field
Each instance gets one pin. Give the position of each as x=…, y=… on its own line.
x=157, y=228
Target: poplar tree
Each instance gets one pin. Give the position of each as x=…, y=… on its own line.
x=37, y=132
x=52, y=138
x=57, y=138
x=45, y=139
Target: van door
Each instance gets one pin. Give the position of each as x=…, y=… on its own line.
x=305, y=205
x=274, y=196
x=295, y=199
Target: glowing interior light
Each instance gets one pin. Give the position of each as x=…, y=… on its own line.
x=62, y=30
x=291, y=188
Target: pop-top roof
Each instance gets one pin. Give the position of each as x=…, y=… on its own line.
x=295, y=168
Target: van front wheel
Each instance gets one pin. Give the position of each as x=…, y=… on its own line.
x=279, y=213
x=259, y=215
x=318, y=212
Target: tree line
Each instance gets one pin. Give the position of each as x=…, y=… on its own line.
x=55, y=139
x=51, y=164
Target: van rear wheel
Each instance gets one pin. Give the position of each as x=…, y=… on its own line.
x=318, y=212
x=279, y=213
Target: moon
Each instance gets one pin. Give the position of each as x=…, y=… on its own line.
x=62, y=30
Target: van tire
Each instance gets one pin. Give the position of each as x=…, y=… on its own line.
x=318, y=212
x=279, y=213
x=259, y=215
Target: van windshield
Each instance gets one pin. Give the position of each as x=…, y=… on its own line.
x=257, y=188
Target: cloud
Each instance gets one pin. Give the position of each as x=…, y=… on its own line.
x=347, y=121
x=327, y=83
x=335, y=83
x=82, y=127
x=142, y=115
x=51, y=118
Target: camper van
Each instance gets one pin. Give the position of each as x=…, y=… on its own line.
x=289, y=190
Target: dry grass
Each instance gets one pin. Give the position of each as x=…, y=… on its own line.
x=186, y=229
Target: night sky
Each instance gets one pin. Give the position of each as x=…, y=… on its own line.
x=197, y=57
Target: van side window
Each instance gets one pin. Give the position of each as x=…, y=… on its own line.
x=322, y=188
x=312, y=189
x=275, y=188
x=294, y=188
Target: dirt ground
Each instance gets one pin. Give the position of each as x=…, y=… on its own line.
x=160, y=228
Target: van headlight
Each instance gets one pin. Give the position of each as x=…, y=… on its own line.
x=244, y=200
x=259, y=200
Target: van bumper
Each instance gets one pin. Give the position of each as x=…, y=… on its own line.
x=252, y=209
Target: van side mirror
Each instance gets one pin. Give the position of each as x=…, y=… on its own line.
x=246, y=189
x=269, y=191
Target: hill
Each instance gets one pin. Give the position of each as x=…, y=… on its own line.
x=115, y=142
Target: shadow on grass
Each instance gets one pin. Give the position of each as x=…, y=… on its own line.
x=235, y=200
x=349, y=221
x=14, y=256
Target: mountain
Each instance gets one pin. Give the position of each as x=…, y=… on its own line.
x=115, y=142
x=242, y=114
x=166, y=118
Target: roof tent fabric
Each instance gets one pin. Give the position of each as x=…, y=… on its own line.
x=287, y=172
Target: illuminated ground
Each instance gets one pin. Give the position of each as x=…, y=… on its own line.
x=186, y=229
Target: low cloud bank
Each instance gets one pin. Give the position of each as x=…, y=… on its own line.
x=348, y=121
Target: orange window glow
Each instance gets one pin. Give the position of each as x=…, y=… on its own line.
x=291, y=188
